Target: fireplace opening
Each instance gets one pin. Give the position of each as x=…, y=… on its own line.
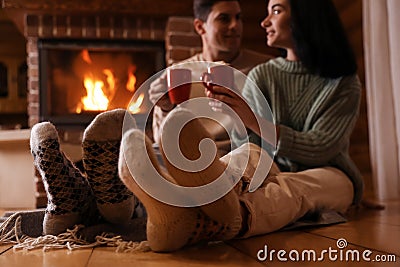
x=81, y=78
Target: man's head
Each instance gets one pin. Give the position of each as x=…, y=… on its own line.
x=220, y=26
x=201, y=8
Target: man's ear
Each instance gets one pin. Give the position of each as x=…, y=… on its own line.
x=199, y=26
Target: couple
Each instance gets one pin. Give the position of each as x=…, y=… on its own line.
x=314, y=95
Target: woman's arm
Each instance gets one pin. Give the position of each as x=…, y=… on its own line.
x=330, y=130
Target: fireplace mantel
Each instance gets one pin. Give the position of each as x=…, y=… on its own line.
x=142, y=7
x=18, y=10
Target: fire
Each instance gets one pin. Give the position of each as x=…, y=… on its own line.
x=98, y=96
x=101, y=90
x=95, y=98
x=130, y=85
x=86, y=57
x=134, y=107
x=111, y=88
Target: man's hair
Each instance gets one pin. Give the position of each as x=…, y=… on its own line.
x=320, y=40
x=202, y=8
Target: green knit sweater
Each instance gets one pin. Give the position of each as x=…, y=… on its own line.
x=315, y=116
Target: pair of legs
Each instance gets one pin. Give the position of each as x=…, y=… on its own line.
x=81, y=198
x=281, y=199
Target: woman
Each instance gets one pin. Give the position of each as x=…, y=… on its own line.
x=314, y=94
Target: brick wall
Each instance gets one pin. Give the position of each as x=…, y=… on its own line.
x=181, y=40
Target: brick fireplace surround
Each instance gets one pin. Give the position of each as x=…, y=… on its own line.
x=95, y=27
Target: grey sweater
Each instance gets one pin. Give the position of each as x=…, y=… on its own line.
x=315, y=116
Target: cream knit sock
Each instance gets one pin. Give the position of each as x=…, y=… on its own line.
x=227, y=208
x=168, y=227
x=101, y=143
x=70, y=199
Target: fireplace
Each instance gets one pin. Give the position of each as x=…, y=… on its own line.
x=56, y=41
x=81, y=78
x=49, y=31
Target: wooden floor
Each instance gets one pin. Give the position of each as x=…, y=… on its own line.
x=377, y=231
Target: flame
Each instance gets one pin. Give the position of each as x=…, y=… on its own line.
x=111, y=89
x=131, y=83
x=100, y=91
x=134, y=107
x=95, y=98
x=86, y=56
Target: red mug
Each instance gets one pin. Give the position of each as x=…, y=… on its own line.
x=221, y=75
x=179, y=84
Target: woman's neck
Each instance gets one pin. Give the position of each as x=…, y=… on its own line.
x=291, y=55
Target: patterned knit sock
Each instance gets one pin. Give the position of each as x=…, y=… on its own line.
x=227, y=208
x=168, y=227
x=70, y=199
x=101, y=143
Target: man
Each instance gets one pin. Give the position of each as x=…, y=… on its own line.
x=219, y=23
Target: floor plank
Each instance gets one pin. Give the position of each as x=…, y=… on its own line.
x=217, y=254
x=366, y=234
x=300, y=241
x=4, y=248
x=374, y=229
x=390, y=215
x=38, y=258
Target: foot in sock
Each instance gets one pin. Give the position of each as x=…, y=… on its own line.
x=101, y=143
x=70, y=199
x=190, y=136
x=168, y=227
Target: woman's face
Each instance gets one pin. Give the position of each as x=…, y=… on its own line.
x=277, y=25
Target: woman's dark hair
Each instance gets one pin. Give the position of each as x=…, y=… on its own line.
x=202, y=8
x=320, y=40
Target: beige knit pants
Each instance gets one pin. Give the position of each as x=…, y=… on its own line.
x=285, y=197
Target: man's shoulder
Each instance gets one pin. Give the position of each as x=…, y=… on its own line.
x=195, y=57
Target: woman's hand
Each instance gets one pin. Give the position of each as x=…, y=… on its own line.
x=249, y=118
x=235, y=101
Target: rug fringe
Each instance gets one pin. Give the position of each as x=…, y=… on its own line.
x=69, y=240
x=11, y=234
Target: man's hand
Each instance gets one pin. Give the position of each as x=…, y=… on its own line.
x=158, y=94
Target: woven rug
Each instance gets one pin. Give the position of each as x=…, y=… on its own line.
x=23, y=229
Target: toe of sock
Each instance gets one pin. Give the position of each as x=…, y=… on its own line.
x=120, y=212
x=42, y=131
x=106, y=126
